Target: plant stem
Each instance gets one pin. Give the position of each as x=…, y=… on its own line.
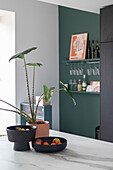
x=57, y=90
x=16, y=108
x=41, y=97
x=17, y=113
x=2, y=135
x=28, y=87
x=33, y=92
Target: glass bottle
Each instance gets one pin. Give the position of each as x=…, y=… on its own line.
x=84, y=83
x=97, y=50
x=89, y=50
x=79, y=87
x=92, y=50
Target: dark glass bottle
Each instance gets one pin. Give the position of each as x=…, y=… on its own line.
x=97, y=50
x=89, y=50
x=92, y=50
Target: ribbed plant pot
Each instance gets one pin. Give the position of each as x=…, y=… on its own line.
x=42, y=128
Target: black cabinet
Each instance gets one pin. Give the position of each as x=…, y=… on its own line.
x=106, y=62
x=107, y=91
x=106, y=32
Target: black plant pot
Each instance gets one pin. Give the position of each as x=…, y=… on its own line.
x=21, y=138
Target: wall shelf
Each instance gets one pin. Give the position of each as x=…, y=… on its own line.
x=88, y=61
x=84, y=92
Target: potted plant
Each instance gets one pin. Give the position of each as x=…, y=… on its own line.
x=47, y=94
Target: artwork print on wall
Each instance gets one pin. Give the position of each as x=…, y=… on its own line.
x=78, y=46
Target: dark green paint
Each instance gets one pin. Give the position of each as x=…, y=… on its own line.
x=48, y=115
x=83, y=118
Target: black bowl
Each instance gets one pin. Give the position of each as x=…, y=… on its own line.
x=21, y=138
x=49, y=148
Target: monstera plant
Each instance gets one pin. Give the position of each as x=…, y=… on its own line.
x=47, y=93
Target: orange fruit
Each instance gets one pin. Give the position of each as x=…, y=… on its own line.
x=59, y=143
x=53, y=143
x=45, y=143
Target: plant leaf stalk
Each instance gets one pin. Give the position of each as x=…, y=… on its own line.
x=16, y=109
x=40, y=98
x=28, y=87
x=33, y=92
x=17, y=113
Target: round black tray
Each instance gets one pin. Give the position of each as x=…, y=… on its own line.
x=49, y=148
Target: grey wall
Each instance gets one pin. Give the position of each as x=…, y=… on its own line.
x=36, y=25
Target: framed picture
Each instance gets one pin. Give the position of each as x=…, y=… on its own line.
x=78, y=46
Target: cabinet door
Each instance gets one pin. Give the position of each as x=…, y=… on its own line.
x=106, y=23
x=107, y=91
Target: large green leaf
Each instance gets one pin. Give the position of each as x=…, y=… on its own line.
x=66, y=89
x=21, y=54
x=34, y=64
x=45, y=92
x=48, y=93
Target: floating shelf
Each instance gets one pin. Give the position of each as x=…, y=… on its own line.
x=88, y=61
x=85, y=92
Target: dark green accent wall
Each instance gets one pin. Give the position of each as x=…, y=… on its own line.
x=83, y=118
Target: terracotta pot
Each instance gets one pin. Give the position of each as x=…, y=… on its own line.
x=42, y=130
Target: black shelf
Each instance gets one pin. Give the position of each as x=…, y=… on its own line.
x=85, y=92
x=88, y=61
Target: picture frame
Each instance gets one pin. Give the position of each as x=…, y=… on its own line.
x=78, y=46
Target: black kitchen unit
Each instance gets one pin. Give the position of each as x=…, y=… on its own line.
x=106, y=62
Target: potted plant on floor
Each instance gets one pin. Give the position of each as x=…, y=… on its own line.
x=47, y=94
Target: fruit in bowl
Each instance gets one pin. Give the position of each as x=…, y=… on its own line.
x=49, y=144
x=45, y=143
x=39, y=142
x=21, y=129
x=56, y=140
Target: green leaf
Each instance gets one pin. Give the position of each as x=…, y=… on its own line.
x=34, y=64
x=48, y=93
x=21, y=54
x=66, y=89
x=45, y=92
